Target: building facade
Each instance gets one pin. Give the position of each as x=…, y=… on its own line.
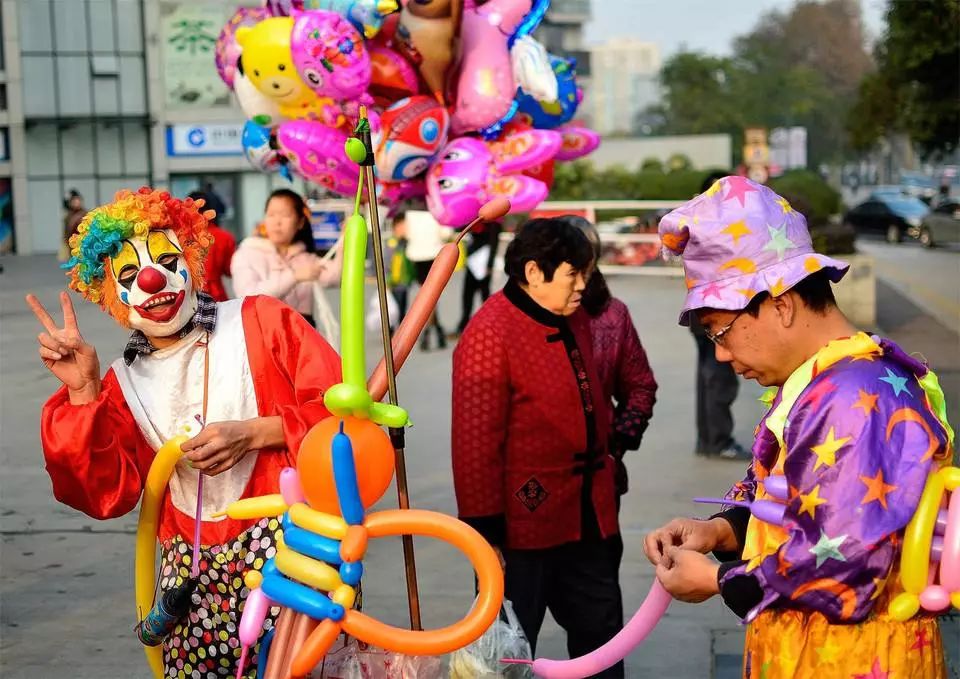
x=624, y=82
x=99, y=95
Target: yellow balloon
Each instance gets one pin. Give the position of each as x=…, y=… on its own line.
x=327, y=525
x=345, y=595
x=915, y=559
x=146, y=551
x=257, y=507
x=904, y=606
x=955, y=599
x=951, y=478
x=309, y=571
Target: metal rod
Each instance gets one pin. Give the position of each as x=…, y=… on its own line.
x=396, y=435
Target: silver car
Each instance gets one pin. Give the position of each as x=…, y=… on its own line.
x=941, y=225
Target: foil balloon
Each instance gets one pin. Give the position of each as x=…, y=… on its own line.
x=430, y=28
x=532, y=69
x=267, y=61
x=255, y=106
x=330, y=56
x=227, y=51
x=413, y=131
x=367, y=16
x=396, y=193
x=392, y=76
x=258, y=148
x=316, y=152
x=470, y=172
x=486, y=88
x=548, y=115
x=577, y=142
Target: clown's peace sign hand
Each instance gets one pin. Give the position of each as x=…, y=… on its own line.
x=65, y=352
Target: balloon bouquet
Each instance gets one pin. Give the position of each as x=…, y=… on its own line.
x=453, y=86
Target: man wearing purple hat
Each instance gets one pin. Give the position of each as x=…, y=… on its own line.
x=853, y=430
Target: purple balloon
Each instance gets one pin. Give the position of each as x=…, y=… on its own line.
x=776, y=486
x=769, y=511
x=936, y=549
x=940, y=527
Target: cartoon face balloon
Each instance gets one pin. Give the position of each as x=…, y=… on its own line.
x=577, y=142
x=266, y=60
x=412, y=132
x=330, y=55
x=470, y=172
x=548, y=115
x=258, y=149
x=316, y=153
x=153, y=281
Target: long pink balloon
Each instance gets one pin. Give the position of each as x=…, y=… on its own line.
x=631, y=636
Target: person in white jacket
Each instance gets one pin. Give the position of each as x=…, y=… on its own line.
x=282, y=263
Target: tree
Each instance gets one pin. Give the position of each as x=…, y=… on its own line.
x=916, y=88
x=652, y=164
x=799, y=68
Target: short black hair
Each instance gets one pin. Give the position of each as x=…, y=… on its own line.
x=713, y=178
x=549, y=243
x=815, y=291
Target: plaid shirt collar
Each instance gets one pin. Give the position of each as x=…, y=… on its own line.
x=205, y=317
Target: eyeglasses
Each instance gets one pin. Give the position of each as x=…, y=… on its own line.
x=718, y=336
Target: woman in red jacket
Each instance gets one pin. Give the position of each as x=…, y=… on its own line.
x=216, y=265
x=531, y=466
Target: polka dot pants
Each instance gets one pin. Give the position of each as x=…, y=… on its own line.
x=205, y=645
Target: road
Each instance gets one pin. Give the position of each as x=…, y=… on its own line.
x=929, y=277
x=66, y=581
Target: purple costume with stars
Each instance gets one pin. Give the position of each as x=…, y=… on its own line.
x=856, y=430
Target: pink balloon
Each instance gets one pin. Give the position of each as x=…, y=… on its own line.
x=290, y=486
x=631, y=636
x=486, y=86
x=470, y=172
x=577, y=142
x=935, y=598
x=330, y=55
x=950, y=556
x=315, y=152
x=227, y=51
x=254, y=613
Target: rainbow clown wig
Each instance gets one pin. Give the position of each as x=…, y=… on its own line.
x=103, y=230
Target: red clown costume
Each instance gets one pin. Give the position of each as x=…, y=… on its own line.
x=140, y=258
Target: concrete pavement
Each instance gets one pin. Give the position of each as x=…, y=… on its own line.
x=66, y=601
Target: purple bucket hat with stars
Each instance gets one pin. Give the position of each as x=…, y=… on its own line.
x=738, y=239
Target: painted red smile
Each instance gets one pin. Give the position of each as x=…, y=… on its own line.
x=161, y=307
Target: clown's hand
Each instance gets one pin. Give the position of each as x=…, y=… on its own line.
x=689, y=576
x=221, y=445
x=66, y=354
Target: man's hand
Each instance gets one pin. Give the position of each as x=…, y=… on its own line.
x=691, y=534
x=220, y=446
x=689, y=576
x=66, y=354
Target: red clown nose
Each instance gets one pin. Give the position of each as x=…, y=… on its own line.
x=151, y=280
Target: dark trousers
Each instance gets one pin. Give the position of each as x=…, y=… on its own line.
x=580, y=585
x=422, y=270
x=472, y=284
x=717, y=388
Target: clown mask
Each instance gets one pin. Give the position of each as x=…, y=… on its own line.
x=154, y=282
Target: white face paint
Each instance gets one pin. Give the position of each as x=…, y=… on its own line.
x=153, y=280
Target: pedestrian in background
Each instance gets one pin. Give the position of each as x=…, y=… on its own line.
x=216, y=265
x=717, y=388
x=73, y=204
x=283, y=263
x=625, y=373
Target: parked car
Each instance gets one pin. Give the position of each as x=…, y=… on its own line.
x=941, y=225
x=889, y=214
x=919, y=185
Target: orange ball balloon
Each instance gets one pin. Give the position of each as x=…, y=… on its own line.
x=372, y=452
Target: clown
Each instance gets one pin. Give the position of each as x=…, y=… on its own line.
x=244, y=378
x=854, y=428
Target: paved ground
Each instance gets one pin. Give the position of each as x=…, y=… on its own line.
x=66, y=601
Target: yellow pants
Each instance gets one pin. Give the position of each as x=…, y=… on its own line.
x=790, y=644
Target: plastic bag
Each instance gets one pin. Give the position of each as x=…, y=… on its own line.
x=504, y=639
x=356, y=660
x=373, y=312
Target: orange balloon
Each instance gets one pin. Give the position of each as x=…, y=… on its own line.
x=372, y=451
